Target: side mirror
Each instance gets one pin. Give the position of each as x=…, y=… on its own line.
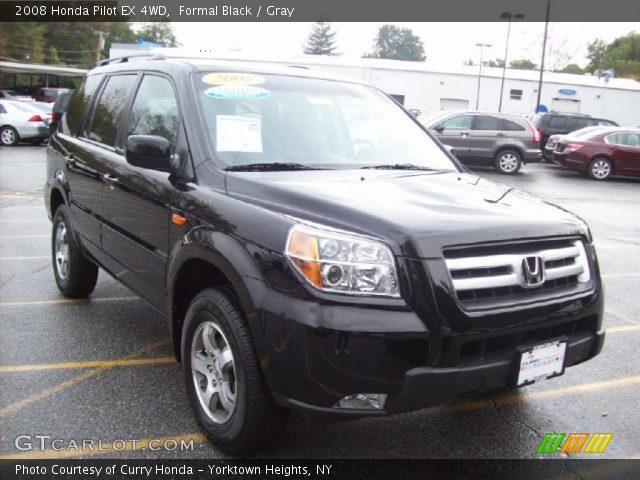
x=414, y=111
x=150, y=152
x=439, y=129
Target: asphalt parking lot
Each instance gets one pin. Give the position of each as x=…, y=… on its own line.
x=103, y=369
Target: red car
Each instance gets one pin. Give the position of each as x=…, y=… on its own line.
x=49, y=95
x=600, y=153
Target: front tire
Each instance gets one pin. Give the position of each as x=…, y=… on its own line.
x=75, y=275
x=8, y=136
x=224, y=380
x=600, y=168
x=508, y=162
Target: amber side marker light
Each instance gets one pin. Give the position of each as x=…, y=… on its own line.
x=178, y=219
x=303, y=251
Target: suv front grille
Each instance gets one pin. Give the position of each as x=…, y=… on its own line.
x=496, y=276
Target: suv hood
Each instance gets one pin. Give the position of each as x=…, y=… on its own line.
x=416, y=213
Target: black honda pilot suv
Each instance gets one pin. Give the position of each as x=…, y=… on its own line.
x=312, y=247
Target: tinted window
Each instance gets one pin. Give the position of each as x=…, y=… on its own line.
x=107, y=111
x=485, y=122
x=458, y=122
x=77, y=104
x=578, y=123
x=557, y=122
x=509, y=126
x=155, y=110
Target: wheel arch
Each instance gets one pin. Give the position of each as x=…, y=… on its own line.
x=221, y=262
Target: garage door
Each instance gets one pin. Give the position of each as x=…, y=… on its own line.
x=567, y=105
x=454, y=104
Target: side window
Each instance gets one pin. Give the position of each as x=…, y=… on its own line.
x=557, y=122
x=486, y=122
x=579, y=123
x=108, y=109
x=78, y=103
x=155, y=110
x=2, y=109
x=460, y=122
x=510, y=126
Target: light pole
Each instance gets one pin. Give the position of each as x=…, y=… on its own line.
x=544, y=48
x=481, y=45
x=507, y=16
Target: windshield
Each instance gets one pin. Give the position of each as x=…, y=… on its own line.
x=254, y=119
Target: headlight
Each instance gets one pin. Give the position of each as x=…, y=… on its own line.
x=336, y=262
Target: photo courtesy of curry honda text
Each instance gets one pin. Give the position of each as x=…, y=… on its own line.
x=312, y=246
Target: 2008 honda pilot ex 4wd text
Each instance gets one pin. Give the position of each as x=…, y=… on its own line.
x=312, y=247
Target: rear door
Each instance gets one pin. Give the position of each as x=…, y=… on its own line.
x=486, y=134
x=83, y=170
x=137, y=200
x=455, y=131
x=626, y=155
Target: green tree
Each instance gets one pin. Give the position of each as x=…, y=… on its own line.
x=397, y=44
x=522, y=64
x=23, y=41
x=497, y=63
x=572, y=68
x=596, y=52
x=52, y=56
x=321, y=40
x=622, y=56
x=158, y=32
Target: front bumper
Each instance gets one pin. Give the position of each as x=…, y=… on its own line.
x=313, y=355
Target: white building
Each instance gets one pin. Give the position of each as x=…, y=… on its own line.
x=428, y=87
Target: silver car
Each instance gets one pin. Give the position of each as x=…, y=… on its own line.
x=502, y=140
x=13, y=95
x=22, y=121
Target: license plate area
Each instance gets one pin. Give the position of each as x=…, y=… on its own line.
x=540, y=362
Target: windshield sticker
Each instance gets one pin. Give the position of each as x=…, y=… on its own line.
x=236, y=92
x=232, y=78
x=236, y=133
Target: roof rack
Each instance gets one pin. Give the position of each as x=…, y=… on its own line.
x=151, y=56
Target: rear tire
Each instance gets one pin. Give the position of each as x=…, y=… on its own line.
x=75, y=276
x=226, y=387
x=600, y=168
x=8, y=136
x=508, y=162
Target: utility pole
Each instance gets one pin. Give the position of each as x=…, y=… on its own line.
x=544, y=49
x=100, y=46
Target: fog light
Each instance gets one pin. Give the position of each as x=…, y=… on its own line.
x=362, y=400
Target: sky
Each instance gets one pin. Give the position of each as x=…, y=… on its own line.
x=445, y=43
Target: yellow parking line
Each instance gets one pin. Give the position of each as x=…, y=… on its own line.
x=42, y=257
x=88, y=364
x=65, y=301
x=623, y=328
x=620, y=275
x=624, y=239
x=514, y=399
x=107, y=447
x=73, y=381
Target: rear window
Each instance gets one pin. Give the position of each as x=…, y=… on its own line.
x=77, y=104
x=108, y=109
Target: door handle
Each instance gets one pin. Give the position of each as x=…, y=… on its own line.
x=71, y=161
x=110, y=179
x=500, y=135
x=464, y=134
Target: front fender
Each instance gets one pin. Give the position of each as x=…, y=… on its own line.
x=230, y=257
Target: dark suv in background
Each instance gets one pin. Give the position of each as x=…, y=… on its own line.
x=311, y=246
x=554, y=123
x=501, y=140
